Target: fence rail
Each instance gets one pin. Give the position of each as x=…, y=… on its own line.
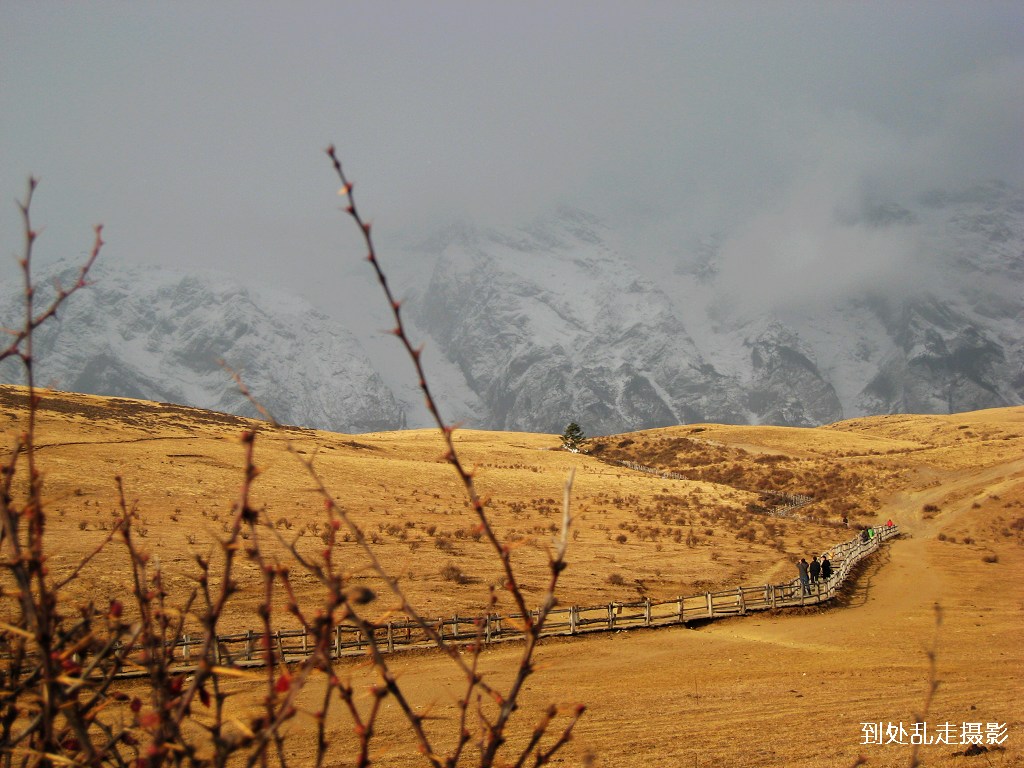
x=252, y=648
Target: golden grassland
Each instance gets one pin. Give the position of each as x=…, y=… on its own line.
x=779, y=689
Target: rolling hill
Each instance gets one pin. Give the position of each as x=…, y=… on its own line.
x=779, y=690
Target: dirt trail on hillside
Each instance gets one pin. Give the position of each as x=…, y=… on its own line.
x=907, y=506
x=905, y=580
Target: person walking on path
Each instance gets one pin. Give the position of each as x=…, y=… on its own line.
x=804, y=577
x=826, y=567
x=815, y=569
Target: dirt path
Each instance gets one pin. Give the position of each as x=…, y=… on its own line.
x=953, y=492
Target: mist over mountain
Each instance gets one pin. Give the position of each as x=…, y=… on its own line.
x=890, y=306
x=886, y=306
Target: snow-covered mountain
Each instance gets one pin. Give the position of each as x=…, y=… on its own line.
x=551, y=323
x=152, y=333
x=941, y=332
x=530, y=328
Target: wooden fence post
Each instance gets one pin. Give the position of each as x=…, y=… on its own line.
x=248, y=645
x=711, y=610
x=741, y=602
x=611, y=615
x=572, y=619
x=681, y=611
x=647, y=611
x=186, y=654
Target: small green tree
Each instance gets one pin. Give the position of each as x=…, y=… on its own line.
x=573, y=438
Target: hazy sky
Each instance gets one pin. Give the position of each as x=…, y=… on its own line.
x=195, y=131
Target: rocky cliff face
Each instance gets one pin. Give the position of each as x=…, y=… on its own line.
x=785, y=385
x=551, y=326
x=159, y=335
x=943, y=362
x=953, y=343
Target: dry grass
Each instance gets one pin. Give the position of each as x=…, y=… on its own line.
x=766, y=690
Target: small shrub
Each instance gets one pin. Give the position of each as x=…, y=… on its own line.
x=993, y=558
x=445, y=544
x=615, y=579
x=622, y=538
x=748, y=534
x=453, y=573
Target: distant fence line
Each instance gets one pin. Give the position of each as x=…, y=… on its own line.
x=252, y=649
x=791, y=501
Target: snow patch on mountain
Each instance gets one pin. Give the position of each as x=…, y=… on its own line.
x=161, y=335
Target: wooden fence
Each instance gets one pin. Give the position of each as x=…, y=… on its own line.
x=246, y=649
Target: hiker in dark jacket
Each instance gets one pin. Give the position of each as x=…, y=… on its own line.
x=815, y=569
x=804, y=579
x=826, y=567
